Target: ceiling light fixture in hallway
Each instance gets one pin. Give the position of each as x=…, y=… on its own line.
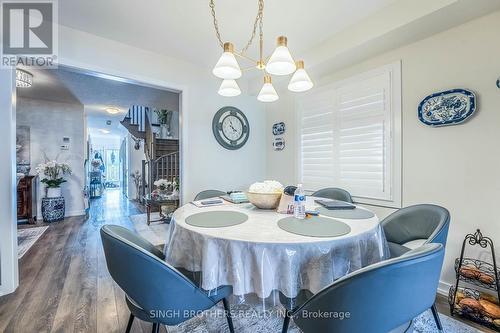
x=24, y=79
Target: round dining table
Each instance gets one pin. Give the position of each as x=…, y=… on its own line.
x=258, y=257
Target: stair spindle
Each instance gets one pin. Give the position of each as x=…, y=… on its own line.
x=141, y=125
x=171, y=169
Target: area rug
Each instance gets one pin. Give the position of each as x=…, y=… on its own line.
x=156, y=233
x=26, y=238
x=251, y=319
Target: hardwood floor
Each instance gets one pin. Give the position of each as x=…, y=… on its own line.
x=64, y=283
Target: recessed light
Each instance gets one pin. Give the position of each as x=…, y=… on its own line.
x=112, y=110
x=104, y=131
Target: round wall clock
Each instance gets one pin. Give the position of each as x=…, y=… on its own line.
x=231, y=128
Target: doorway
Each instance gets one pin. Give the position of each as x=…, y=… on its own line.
x=73, y=119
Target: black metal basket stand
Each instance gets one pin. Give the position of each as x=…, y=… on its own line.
x=482, y=277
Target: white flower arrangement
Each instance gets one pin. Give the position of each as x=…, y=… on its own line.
x=54, y=173
x=162, y=184
x=268, y=186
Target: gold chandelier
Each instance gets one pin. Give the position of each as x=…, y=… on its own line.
x=279, y=63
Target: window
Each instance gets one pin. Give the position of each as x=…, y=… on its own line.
x=350, y=136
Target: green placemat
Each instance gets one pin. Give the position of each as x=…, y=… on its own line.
x=315, y=226
x=356, y=213
x=216, y=219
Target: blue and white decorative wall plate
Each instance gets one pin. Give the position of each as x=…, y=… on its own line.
x=279, y=128
x=449, y=107
x=279, y=143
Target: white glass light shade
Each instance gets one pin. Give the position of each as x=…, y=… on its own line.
x=229, y=88
x=267, y=93
x=227, y=67
x=300, y=80
x=281, y=61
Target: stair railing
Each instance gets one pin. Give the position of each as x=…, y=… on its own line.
x=146, y=181
x=164, y=167
x=150, y=135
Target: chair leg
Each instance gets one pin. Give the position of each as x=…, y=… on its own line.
x=129, y=325
x=436, y=318
x=228, y=315
x=286, y=322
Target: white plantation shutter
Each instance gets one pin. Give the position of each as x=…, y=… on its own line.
x=346, y=136
x=317, y=144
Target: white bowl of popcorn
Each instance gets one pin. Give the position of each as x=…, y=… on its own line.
x=265, y=195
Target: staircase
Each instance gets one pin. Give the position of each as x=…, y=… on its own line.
x=162, y=155
x=135, y=121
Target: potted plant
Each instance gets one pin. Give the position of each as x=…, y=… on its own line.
x=54, y=173
x=175, y=186
x=164, y=119
x=136, y=177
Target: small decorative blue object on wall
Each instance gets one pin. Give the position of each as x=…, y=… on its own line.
x=279, y=128
x=449, y=107
x=498, y=83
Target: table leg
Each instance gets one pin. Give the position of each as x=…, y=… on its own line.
x=148, y=212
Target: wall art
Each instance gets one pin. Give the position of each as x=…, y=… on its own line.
x=449, y=107
x=279, y=128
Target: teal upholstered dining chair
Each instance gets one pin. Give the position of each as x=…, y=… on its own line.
x=413, y=226
x=155, y=291
x=379, y=298
x=209, y=194
x=333, y=193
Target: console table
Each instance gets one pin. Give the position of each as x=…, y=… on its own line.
x=170, y=201
x=27, y=199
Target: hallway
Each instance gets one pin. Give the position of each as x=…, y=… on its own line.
x=64, y=283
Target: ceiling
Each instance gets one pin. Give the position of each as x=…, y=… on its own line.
x=184, y=29
x=95, y=94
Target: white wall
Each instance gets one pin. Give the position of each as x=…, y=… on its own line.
x=105, y=141
x=281, y=165
x=205, y=163
x=49, y=122
x=9, y=278
x=457, y=166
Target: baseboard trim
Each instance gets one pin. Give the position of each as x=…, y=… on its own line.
x=443, y=288
x=5, y=291
x=75, y=213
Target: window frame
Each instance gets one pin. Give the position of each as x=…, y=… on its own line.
x=395, y=135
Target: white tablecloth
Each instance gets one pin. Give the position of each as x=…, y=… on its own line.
x=257, y=257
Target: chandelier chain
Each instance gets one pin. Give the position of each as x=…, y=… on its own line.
x=258, y=19
x=261, y=32
x=257, y=24
x=216, y=23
